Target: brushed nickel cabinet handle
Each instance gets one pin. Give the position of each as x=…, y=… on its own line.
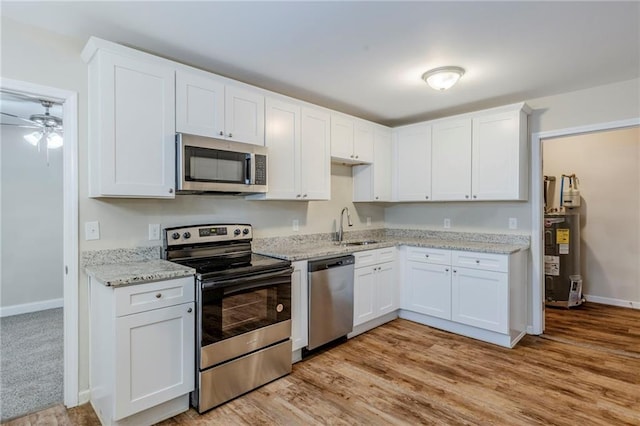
x=158, y=296
x=189, y=310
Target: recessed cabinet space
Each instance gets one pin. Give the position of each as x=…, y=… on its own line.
x=131, y=146
x=373, y=182
x=141, y=350
x=375, y=285
x=351, y=140
x=208, y=105
x=299, y=162
x=412, y=163
x=479, y=295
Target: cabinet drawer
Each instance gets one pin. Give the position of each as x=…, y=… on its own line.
x=429, y=255
x=145, y=297
x=484, y=261
x=372, y=257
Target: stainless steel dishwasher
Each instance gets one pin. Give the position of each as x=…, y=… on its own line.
x=330, y=299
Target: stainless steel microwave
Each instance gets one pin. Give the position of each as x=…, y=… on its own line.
x=219, y=166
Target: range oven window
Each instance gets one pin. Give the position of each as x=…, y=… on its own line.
x=244, y=306
x=213, y=165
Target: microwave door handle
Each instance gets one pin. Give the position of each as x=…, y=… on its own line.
x=250, y=171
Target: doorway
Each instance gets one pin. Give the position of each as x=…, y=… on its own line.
x=537, y=246
x=39, y=137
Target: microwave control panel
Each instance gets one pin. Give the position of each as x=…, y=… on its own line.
x=261, y=170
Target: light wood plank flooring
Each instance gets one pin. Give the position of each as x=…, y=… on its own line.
x=404, y=373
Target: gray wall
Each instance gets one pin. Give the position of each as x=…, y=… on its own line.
x=31, y=221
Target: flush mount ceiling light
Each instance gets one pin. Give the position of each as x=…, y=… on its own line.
x=443, y=78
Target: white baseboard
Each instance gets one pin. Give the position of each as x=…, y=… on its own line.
x=84, y=396
x=7, y=311
x=612, y=302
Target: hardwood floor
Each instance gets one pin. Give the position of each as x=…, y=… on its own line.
x=606, y=327
x=404, y=373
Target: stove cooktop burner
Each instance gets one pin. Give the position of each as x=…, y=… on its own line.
x=210, y=268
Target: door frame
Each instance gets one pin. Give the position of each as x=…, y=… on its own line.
x=70, y=225
x=537, y=206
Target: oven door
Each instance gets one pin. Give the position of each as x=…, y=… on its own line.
x=243, y=314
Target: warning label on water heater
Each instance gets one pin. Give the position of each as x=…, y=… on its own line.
x=552, y=265
x=562, y=236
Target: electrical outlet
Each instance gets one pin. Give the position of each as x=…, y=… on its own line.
x=154, y=231
x=368, y=221
x=513, y=223
x=447, y=223
x=296, y=225
x=91, y=231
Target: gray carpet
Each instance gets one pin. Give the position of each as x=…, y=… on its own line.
x=31, y=362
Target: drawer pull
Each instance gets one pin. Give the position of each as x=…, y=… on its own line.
x=477, y=261
x=158, y=296
x=189, y=310
x=426, y=255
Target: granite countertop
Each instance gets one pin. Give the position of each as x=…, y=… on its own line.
x=315, y=246
x=127, y=273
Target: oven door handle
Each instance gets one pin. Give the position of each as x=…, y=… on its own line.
x=247, y=283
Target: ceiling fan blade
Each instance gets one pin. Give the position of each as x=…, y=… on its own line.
x=20, y=125
x=20, y=119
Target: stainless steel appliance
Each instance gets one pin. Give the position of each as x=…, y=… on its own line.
x=330, y=299
x=213, y=165
x=562, y=280
x=243, y=307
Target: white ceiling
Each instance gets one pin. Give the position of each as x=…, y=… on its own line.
x=366, y=58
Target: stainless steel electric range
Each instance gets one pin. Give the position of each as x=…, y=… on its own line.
x=243, y=302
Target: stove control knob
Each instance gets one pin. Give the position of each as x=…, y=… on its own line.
x=245, y=231
x=175, y=235
x=236, y=232
x=187, y=235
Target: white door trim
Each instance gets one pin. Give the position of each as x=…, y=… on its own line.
x=70, y=226
x=537, y=204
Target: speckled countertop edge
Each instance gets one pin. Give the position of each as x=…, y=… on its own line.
x=321, y=245
x=120, y=267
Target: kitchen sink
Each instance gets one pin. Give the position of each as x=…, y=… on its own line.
x=358, y=243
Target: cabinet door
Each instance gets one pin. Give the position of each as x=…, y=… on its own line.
x=480, y=299
x=244, y=115
x=132, y=142
x=283, y=141
x=386, y=290
x=429, y=289
x=451, y=160
x=412, y=163
x=342, y=137
x=199, y=105
x=315, y=170
x=364, y=297
x=496, y=165
x=154, y=357
x=299, y=306
x=363, y=142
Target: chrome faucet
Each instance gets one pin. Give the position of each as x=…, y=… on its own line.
x=340, y=232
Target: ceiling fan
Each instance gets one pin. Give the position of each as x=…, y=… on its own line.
x=47, y=126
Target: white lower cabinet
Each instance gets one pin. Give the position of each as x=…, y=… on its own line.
x=142, y=350
x=479, y=295
x=375, y=291
x=299, y=305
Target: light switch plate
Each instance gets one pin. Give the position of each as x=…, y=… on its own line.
x=447, y=223
x=296, y=225
x=154, y=231
x=513, y=223
x=91, y=231
x=368, y=221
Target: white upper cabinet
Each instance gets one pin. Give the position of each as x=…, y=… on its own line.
x=299, y=163
x=131, y=125
x=206, y=105
x=351, y=140
x=199, y=105
x=373, y=182
x=451, y=160
x=412, y=161
x=499, y=158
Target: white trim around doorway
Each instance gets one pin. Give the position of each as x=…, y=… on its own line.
x=537, y=254
x=70, y=225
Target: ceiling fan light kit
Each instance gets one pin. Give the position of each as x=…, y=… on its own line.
x=443, y=78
